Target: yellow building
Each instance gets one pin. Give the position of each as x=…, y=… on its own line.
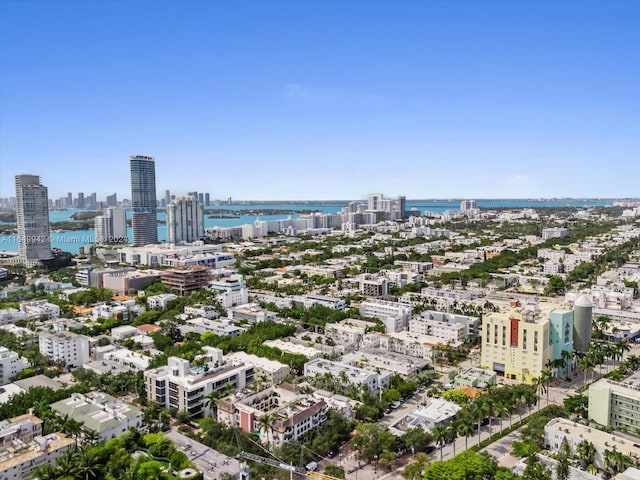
x=518, y=344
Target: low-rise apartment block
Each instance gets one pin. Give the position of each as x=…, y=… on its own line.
x=184, y=387
x=69, y=348
x=476, y=378
x=10, y=315
x=101, y=413
x=160, y=301
x=436, y=412
x=575, y=433
x=294, y=414
x=368, y=378
x=394, y=315
x=251, y=312
x=11, y=364
x=231, y=291
x=223, y=327
x=310, y=300
x=616, y=404
x=266, y=370
x=471, y=324
x=38, y=309
x=349, y=331
x=293, y=348
x=23, y=447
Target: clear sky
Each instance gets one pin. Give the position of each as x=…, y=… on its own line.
x=329, y=99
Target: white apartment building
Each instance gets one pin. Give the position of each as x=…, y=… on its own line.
x=185, y=221
x=160, y=301
x=446, y=331
x=223, y=327
x=205, y=311
x=11, y=364
x=293, y=348
x=10, y=315
x=231, y=291
x=575, y=433
x=549, y=233
x=394, y=315
x=102, y=413
x=112, y=226
x=40, y=309
x=352, y=375
x=123, y=332
x=67, y=347
x=405, y=343
x=251, y=312
x=23, y=447
x=471, y=324
x=311, y=300
x=184, y=387
x=266, y=370
x=294, y=414
x=349, y=331
x=427, y=417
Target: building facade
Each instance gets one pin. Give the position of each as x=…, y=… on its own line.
x=11, y=364
x=112, y=226
x=67, y=347
x=185, y=221
x=143, y=200
x=32, y=216
x=616, y=404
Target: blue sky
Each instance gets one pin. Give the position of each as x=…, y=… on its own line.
x=324, y=100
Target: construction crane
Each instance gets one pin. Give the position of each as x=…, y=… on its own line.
x=273, y=462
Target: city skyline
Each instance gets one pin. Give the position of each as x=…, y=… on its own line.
x=316, y=101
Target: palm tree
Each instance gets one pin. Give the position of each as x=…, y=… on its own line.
x=540, y=385
x=46, y=472
x=567, y=359
x=211, y=401
x=622, y=347
x=466, y=428
x=452, y=434
x=585, y=364
x=478, y=414
x=90, y=437
x=265, y=424
x=586, y=453
x=440, y=435
x=412, y=471
x=88, y=464
x=501, y=410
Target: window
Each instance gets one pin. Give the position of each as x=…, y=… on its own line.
x=524, y=339
x=535, y=341
x=566, y=333
x=504, y=335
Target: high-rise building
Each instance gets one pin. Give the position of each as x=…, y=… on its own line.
x=207, y=200
x=32, y=212
x=375, y=200
x=185, y=222
x=143, y=200
x=69, y=200
x=201, y=198
x=167, y=197
x=80, y=203
x=112, y=226
x=112, y=200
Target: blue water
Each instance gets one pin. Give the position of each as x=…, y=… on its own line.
x=71, y=241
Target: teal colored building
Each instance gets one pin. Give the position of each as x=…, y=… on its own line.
x=561, y=336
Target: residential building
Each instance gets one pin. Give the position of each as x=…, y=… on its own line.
x=251, y=312
x=549, y=233
x=434, y=413
x=293, y=348
x=349, y=331
x=185, y=221
x=471, y=324
x=446, y=331
x=10, y=315
x=32, y=216
x=476, y=378
x=223, y=327
x=184, y=387
x=311, y=300
x=394, y=315
x=266, y=370
x=69, y=348
x=231, y=291
x=23, y=447
x=560, y=428
x=11, y=364
x=112, y=226
x=183, y=280
x=373, y=285
x=143, y=200
x=294, y=414
x=368, y=378
x=518, y=344
x=101, y=413
x=161, y=300
x=40, y=309
x=616, y=404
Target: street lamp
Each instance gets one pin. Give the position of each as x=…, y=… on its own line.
x=375, y=468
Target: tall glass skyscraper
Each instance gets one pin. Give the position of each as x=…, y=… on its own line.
x=185, y=221
x=32, y=212
x=143, y=200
